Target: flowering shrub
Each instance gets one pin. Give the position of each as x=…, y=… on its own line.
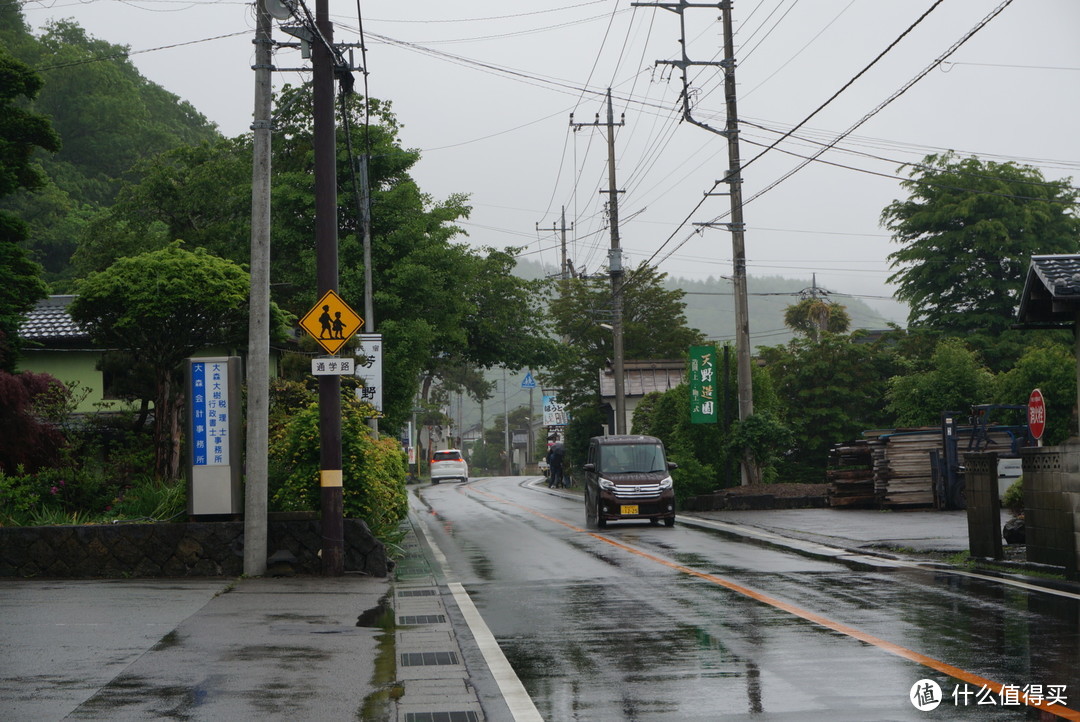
x=373, y=471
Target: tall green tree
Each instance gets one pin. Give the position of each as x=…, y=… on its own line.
x=830, y=391
x=21, y=133
x=654, y=327
x=953, y=380
x=814, y=316
x=1051, y=368
x=968, y=229
x=162, y=307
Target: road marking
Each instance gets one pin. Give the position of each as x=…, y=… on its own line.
x=903, y=652
x=513, y=691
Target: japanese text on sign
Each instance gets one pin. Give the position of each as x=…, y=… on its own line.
x=555, y=413
x=369, y=369
x=210, y=410
x=703, y=385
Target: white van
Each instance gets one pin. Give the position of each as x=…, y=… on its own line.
x=448, y=464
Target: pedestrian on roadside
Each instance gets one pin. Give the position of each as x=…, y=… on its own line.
x=555, y=457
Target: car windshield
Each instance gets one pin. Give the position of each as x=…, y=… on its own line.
x=632, y=459
x=447, y=456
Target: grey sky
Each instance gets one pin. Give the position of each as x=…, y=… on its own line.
x=484, y=89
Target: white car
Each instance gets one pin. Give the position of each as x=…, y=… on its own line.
x=448, y=464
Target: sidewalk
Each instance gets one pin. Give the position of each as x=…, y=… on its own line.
x=920, y=531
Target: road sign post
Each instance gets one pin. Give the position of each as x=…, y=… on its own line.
x=1036, y=409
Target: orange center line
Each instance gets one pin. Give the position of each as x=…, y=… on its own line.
x=955, y=672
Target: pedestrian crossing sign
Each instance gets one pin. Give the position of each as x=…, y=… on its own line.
x=331, y=322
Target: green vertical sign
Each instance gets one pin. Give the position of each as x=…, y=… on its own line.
x=703, y=386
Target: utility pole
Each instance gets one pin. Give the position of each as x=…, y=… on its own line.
x=326, y=271
x=507, y=466
x=564, y=266
x=733, y=179
x=614, y=266
x=258, y=361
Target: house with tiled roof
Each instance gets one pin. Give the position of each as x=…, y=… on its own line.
x=639, y=378
x=53, y=343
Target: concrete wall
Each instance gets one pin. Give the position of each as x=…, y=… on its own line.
x=197, y=549
x=983, y=505
x=1052, y=505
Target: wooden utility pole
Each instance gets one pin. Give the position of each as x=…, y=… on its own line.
x=614, y=267
x=326, y=271
x=258, y=361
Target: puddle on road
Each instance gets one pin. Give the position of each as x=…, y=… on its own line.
x=379, y=705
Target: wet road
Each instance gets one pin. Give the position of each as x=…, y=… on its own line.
x=636, y=622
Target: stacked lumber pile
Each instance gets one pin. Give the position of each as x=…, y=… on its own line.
x=902, y=473
x=851, y=475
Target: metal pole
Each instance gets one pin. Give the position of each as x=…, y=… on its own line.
x=326, y=263
x=258, y=360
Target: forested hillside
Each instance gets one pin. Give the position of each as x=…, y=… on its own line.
x=108, y=116
x=710, y=305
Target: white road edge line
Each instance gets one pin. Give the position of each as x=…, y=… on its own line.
x=513, y=691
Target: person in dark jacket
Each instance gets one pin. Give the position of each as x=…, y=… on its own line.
x=555, y=456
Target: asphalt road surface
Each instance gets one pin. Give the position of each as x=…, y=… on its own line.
x=636, y=622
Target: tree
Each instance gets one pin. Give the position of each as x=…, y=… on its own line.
x=164, y=306
x=21, y=133
x=968, y=230
x=815, y=316
x=654, y=327
x=954, y=380
x=830, y=391
x=1051, y=368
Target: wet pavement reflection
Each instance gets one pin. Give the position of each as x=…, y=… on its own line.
x=597, y=632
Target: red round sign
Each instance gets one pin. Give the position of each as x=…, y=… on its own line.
x=1036, y=414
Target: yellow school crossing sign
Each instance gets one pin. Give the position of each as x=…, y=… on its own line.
x=331, y=322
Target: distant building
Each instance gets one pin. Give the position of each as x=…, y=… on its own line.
x=639, y=378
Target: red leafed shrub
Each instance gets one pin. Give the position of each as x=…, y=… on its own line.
x=27, y=438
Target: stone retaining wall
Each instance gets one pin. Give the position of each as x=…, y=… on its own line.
x=194, y=549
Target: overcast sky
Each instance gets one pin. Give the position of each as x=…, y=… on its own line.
x=485, y=88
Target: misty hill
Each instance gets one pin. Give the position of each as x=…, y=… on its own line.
x=710, y=306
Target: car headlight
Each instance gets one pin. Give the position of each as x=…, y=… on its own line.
x=666, y=484
x=606, y=484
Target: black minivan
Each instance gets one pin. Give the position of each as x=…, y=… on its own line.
x=628, y=477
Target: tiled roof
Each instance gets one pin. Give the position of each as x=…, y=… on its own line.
x=50, y=321
x=1051, y=291
x=643, y=377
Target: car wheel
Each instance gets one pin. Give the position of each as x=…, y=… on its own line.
x=670, y=521
x=601, y=522
x=654, y=521
x=435, y=482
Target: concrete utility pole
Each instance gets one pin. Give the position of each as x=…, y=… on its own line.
x=733, y=179
x=326, y=271
x=258, y=361
x=564, y=267
x=614, y=266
